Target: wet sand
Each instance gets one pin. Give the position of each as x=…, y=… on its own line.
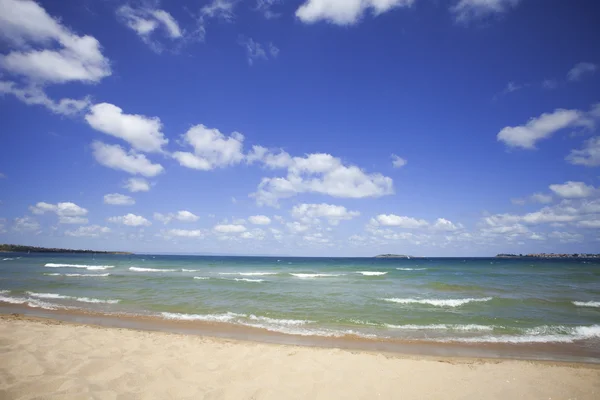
x=54, y=359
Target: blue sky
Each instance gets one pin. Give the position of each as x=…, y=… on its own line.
x=308, y=127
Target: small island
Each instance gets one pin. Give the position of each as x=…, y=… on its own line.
x=393, y=256
x=548, y=255
x=16, y=248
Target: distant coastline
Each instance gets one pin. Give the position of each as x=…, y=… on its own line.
x=549, y=255
x=15, y=248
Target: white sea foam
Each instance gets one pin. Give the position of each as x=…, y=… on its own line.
x=371, y=273
x=203, y=278
x=81, y=299
x=442, y=327
x=310, y=276
x=4, y=291
x=439, y=302
x=411, y=269
x=587, y=303
x=138, y=269
x=248, y=280
x=248, y=273
x=88, y=267
x=189, y=270
x=80, y=275
x=543, y=334
x=30, y=302
x=227, y=317
x=48, y=295
x=286, y=322
x=7, y=259
x=91, y=300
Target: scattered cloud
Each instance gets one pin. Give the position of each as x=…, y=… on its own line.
x=67, y=212
x=265, y=7
x=130, y=220
x=550, y=84
x=26, y=224
x=345, y=12
x=297, y=227
x=229, y=228
x=147, y=21
x=259, y=220
x=141, y=132
x=512, y=87
x=33, y=95
x=315, y=173
x=467, y=10
x=212, y=149
x=573, y=190
x=526, y=136
x=137, y=185
x=581, y=70
x=398, y=221
x=88, y=231
x=256, y=51
x=534, y=198
x=589, y=155
x=182, y=216
x=115, y=157
x=311, y=213
x=118, y=199
x=398, y=162
x=254, y=234
x=216, y=9
x=184, y=233
x=566, y=237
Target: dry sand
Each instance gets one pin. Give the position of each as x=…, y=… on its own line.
x=53, y=360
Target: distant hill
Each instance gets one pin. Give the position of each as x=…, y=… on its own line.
x=393, y=256
x=16, y=248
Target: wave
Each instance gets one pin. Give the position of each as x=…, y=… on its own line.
x=7, y=259
x=543, y=334
x=82, y=275
x=138, y=269
x=310, y=276
x=248, y=280
x=4, y=291
x=189, y=270
x=287, y=322
x=249, y=273
x=371, y=273
x=35, y=303
x=411, y=269
x=451, y=287
x=80, y=299
x=444, y=327
x=438, y=302
x=203, y=278
x=227, y=317
x=88, y=267
x=587, y=303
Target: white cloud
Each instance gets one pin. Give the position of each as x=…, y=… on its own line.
x=334, y=214
x=130, y=220
x=216, y=9
x=572, y=190
x=566, y=237
x=581, y=70
x=345, y=12
x=113, y=156
x=315, y=173
x=67, y=212
x=212, y=149
x=589, y=155
x=526, y=136
x=466, y=10
x=137, y=185
x=224, y=228
x=26, y=25
x=256, y=51
x=399, y=221
x=255, y=234
x=146, y=21
x=512, y=87
x=183, y=216
x=550, y=84
x=316, y=238
x=442, y=224
x=534, y=198
x=33, y=95
x=88, y=231
x=26, y=224
x=297, y=227
x=118, y=199
x=398, y=162
x=196, y=233
x=143, y=133
x=259, y=220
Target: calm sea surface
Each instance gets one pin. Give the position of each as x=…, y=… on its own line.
x=480, y=300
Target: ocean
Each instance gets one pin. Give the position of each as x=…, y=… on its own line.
x=440, y=300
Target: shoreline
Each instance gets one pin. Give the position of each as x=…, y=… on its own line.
x=532, y=352
x=44, y=357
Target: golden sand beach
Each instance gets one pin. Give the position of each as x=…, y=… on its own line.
x=56, y=360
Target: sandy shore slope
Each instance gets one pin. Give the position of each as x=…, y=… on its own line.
x=53, y=360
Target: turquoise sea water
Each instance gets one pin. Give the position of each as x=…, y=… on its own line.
x=479, y=300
